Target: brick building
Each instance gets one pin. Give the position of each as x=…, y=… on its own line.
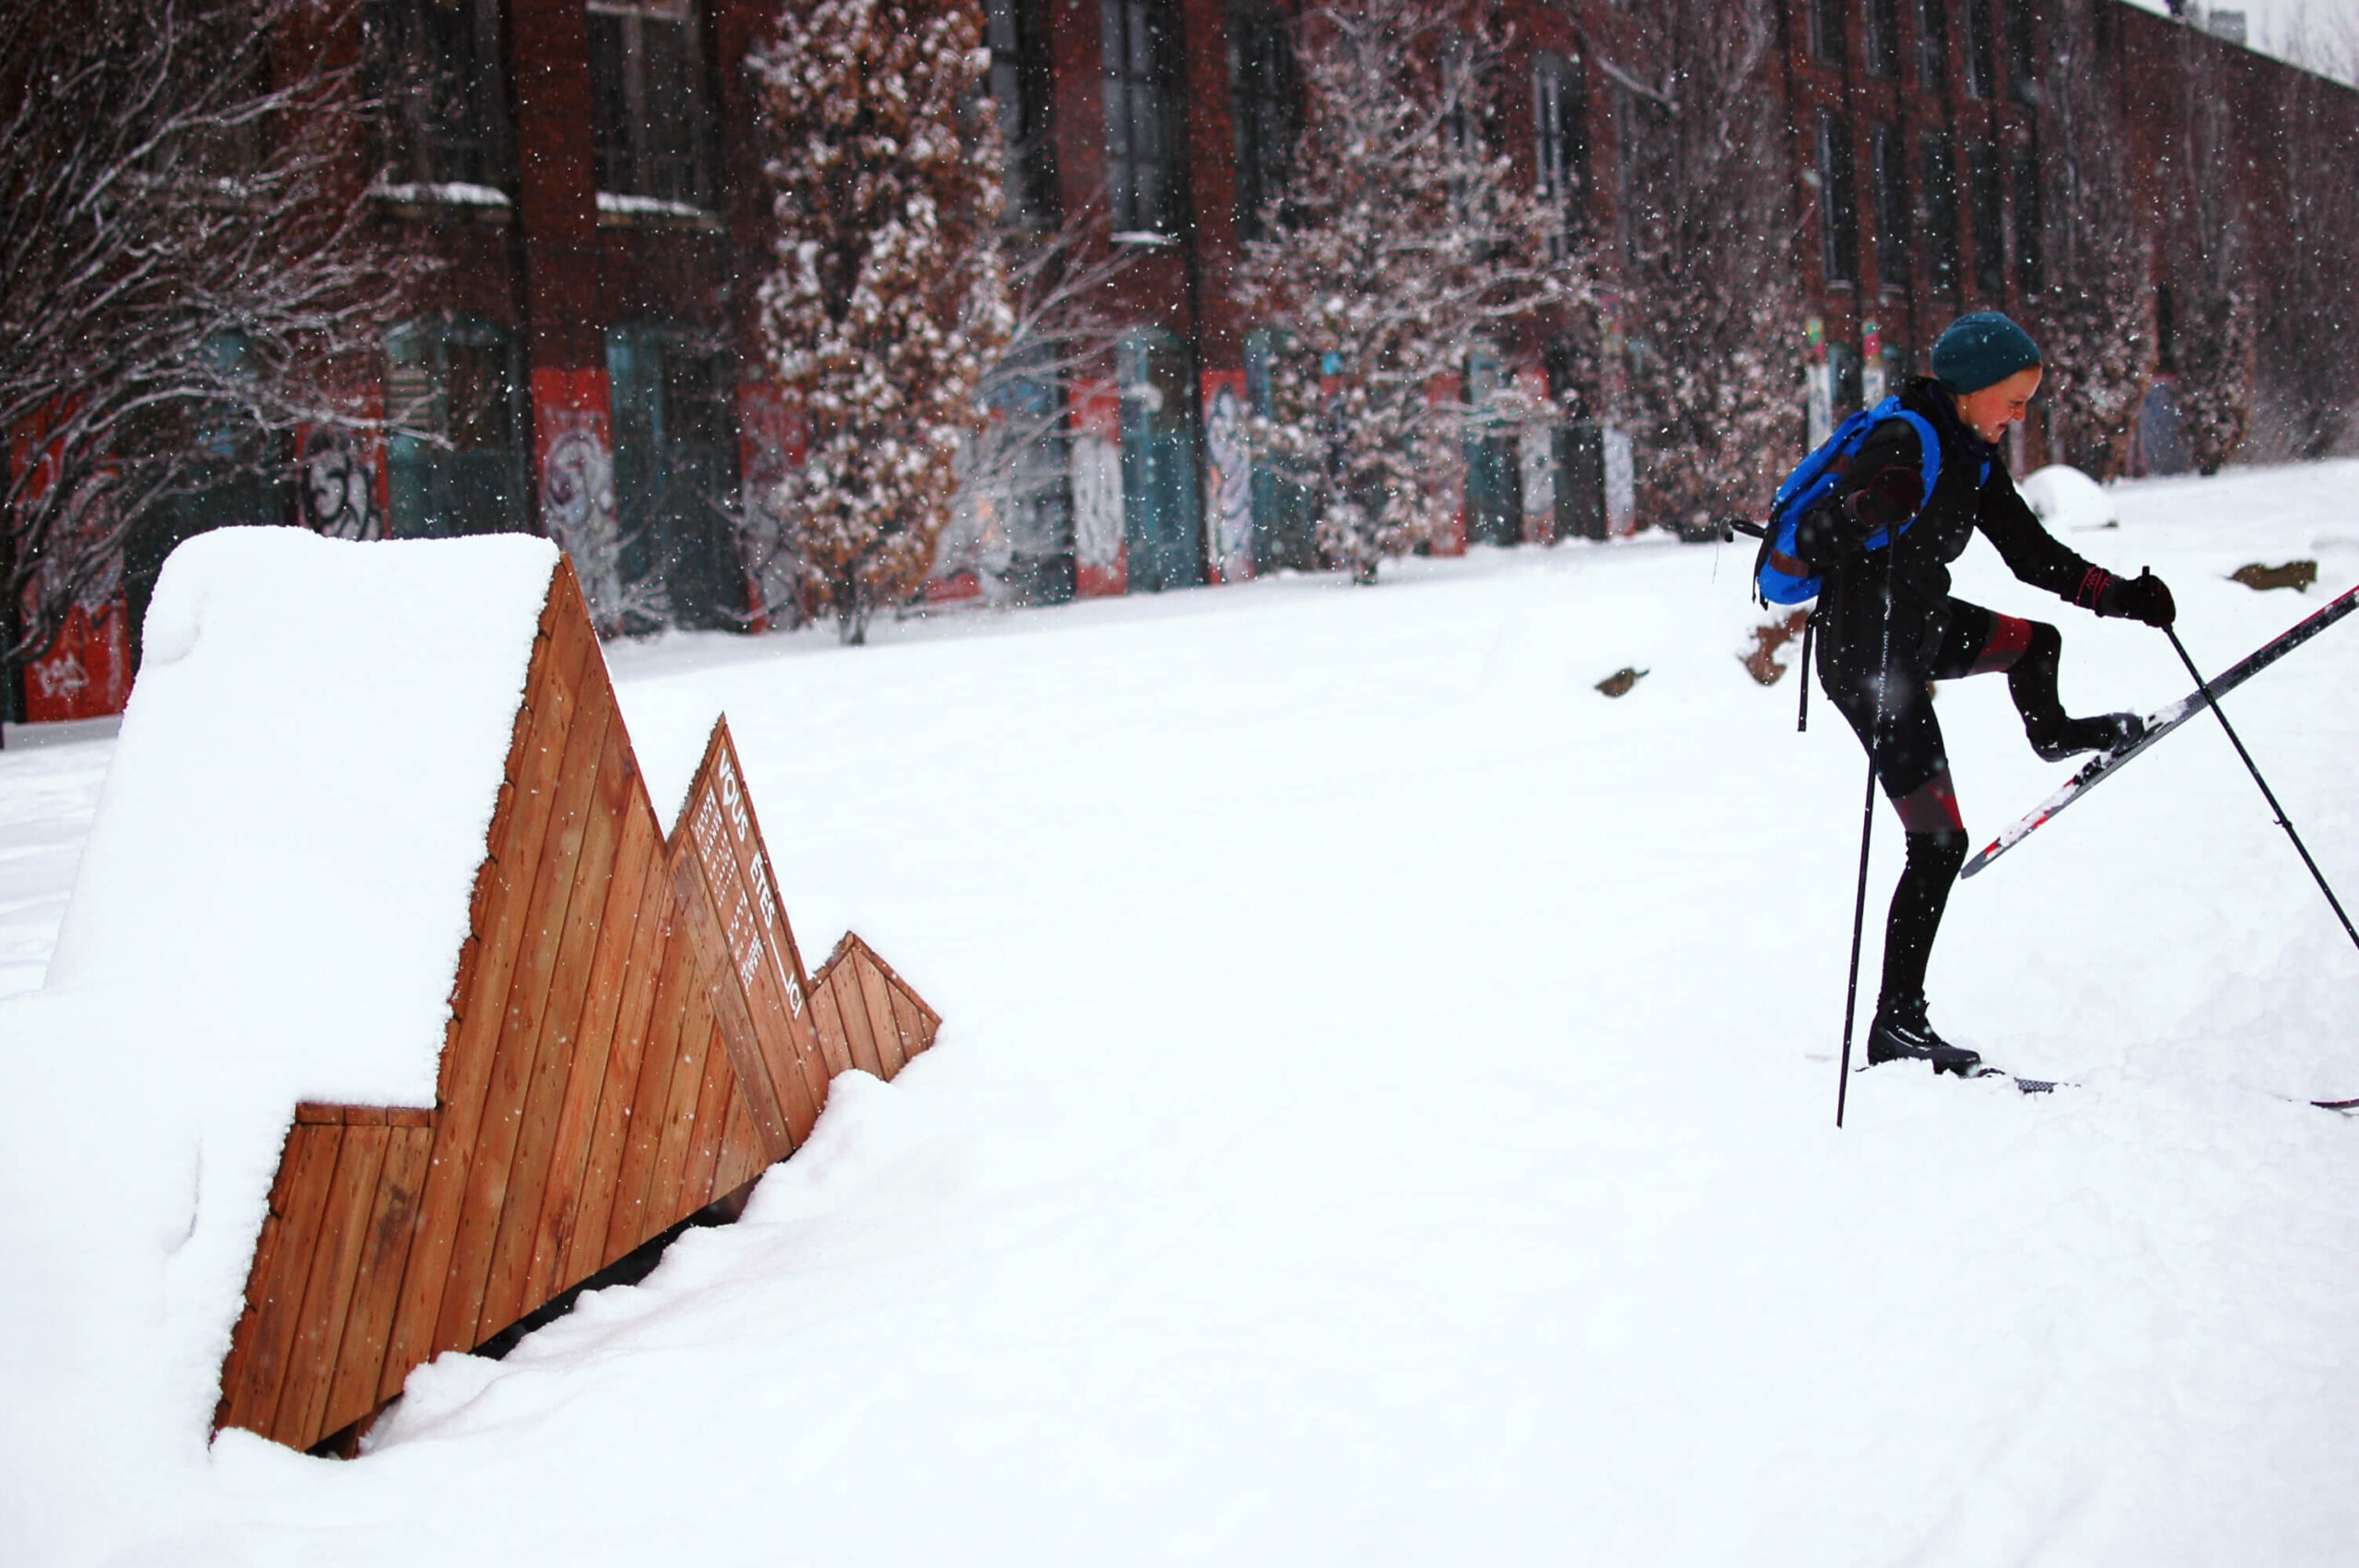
x=591, y=172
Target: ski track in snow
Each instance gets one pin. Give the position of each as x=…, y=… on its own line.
x=1384, y=1116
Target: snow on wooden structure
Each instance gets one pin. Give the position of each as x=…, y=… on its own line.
x=632, y=1036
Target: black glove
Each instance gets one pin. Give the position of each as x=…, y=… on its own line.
x=2140, y=598
x=1885, y=501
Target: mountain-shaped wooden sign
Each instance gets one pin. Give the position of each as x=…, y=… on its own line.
x=633, y=1036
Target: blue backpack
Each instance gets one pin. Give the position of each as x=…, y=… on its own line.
x=1779, y=573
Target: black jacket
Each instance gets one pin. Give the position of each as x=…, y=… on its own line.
x=1974, y=491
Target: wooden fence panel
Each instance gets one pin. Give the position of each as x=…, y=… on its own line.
x=327, y=1295
x=632, y=1036
x=570, y=1141
x=393, y=1221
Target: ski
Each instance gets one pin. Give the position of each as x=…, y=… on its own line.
x=2162, y=722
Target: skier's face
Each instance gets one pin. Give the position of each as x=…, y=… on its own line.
x=1987, y=412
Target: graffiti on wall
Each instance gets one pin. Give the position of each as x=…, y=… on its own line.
x=1228, y=460
x=342, y=484
x=577, y=485
x=86, y=671
x=1100, y=557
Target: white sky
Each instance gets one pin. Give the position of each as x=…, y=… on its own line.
x=2273, y=25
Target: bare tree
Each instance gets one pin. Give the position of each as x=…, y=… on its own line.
x=2207, y=253
x=1064, y=324
x=2304, y=398
x=184, y=272
x=1712, y=295
x=2096, y=313
x=1399, y=243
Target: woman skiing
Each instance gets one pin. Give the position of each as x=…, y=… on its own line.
x=1888, y=625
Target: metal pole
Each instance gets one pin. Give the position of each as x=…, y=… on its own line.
x=2266, y=794
x=1867, y=821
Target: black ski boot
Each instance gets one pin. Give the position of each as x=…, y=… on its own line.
x=1900, y=1033
x=2107, y=733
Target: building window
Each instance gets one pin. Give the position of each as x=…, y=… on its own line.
x=1933, y=45
x=1560, y=142
x=1265, y=101
x=2021, y=67
x=647, y=76
x=1827, y=31
x=433, y=66
x=675, y=466
x=1986, y=205
x=1137, y=42
x=1981, y=62
x=1838, y=208
x=1019, y=91
x=1890, y=174
x=454, y=464
x=2031, y=255
x=1937, y=188
x=1880, y=22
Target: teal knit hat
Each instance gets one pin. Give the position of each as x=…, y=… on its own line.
x=1981, y=350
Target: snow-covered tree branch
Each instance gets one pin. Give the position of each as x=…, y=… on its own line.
x=1710, y=299
x=184, y=272
x=889, y=300
x=2096, y=312
x=1400, y=242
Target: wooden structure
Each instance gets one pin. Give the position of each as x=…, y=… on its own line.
x=632, y=1036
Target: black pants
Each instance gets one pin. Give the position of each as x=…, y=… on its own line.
x=1913, y=768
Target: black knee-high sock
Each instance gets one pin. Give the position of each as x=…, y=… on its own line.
x=2031, y=681
x=1934, y=859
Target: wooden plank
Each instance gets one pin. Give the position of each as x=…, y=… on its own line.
x=900, y=986
x=741, y=1149
x=467, y=1057
x=910, y=1022
x=721, y=1091
x=393, y=1223
x=408, y=1116
x=593, y=1046
x=829, y=1021
x=505, y=1294
x=663, y=1178
x=261, y=1275
x=252, y=1383
x=643, y=1128
x=461, y=1325
x=585, y=1247
x=692, y=896
x=327, y=1294
x=881, y=1024
x=853, y=1007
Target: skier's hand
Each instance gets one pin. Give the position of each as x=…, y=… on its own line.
x=2141, y=598
x=1885, y=501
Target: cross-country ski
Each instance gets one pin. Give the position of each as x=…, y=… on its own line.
x=2097, y=769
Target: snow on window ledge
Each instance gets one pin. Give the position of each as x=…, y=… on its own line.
x=1143, y=237
x=484, y=202
x=652, y=212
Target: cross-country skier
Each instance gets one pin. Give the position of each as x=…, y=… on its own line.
x=1986, y=369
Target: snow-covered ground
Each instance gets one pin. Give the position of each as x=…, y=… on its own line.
x=1384, y=1117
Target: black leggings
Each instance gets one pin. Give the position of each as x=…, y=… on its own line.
x=1913, y=767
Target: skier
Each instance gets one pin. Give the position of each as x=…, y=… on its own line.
x=1888, y=625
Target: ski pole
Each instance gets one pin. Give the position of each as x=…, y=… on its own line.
x=1867, y=828
x=1859, y=922
x=2266, y=793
